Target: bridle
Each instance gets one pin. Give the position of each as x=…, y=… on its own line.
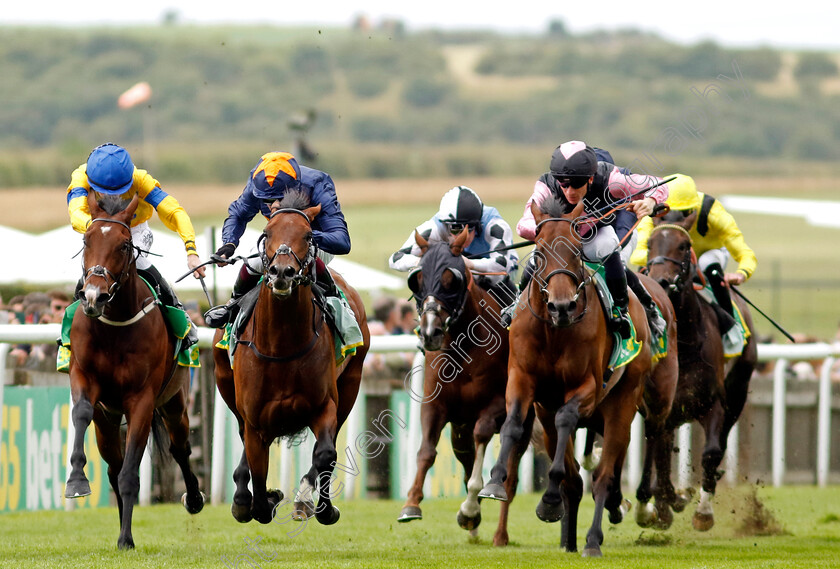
x=302, y=276
x=99, y=271
x=684, y=264
x=578, y=278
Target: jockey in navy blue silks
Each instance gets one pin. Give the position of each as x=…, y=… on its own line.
x=274, y=174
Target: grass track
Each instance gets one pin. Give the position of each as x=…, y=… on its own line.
x=369, y=536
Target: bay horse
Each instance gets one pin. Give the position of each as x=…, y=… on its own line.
x=284, y=377
x=122, y=363
x=465, y=376
x=559, y=353
x=712, y=389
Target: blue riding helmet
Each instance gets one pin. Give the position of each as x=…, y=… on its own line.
x=275, y=173
x=110, y=169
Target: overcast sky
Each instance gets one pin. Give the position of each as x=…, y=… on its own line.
x=802, y=24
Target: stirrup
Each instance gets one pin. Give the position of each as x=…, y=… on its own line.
x=621, y=324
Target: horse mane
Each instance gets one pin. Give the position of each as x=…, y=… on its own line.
x=553, y=206
x=295, y=199
x=112, y=204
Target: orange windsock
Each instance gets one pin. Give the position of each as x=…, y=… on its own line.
x=135, y=95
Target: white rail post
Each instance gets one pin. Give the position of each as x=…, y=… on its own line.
x=634, y=452
x=779, y=413
x=824, y=423
x=217, y=467
x=684, y=468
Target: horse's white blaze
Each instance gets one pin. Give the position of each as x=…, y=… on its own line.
x=105, y=229
x=470, y=507
x=91, y=294
x=705, y=505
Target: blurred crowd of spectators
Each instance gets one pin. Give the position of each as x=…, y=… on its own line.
x=389, y=316
x=34, y=308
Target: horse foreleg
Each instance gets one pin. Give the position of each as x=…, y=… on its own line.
x=432, y=420
x=572, y=496
x=240, y=509
x=704, y=516
x=110, y=448
x=550, y=508
x=469, y=446
x=664, y=493
x=139, y=421
x=519, y=398
x=174, y=413
x=501, y=537
x=77, y=482
x=256, y=451
x=645, y=513
x=324, y=457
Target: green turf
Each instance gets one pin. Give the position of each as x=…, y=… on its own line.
x=803, y=523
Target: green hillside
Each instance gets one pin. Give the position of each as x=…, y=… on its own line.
x=389, y=103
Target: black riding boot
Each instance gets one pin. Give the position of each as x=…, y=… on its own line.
x=621, y=322
x=164, y=290
x=324, y=284
x=220, y=315
x=714, y=274
x=657, y=323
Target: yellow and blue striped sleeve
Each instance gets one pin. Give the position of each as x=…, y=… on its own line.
x=77, y=205
x=170, y=212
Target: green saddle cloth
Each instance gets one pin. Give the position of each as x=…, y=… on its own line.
x=176, y=319
x=625, y=351
x=347, y=334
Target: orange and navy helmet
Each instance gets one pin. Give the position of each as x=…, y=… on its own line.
x=275, y=173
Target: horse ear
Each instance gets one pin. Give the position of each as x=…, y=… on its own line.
x=537, y=213
x=312, y=212
x=128, y=212
x=421, y=241
x=578, y=211
x=457, y=246
x=93, y=206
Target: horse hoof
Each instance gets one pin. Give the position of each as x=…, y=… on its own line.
x=500, y=539
x=241, y=512
x=550, y=513
x=591, y=552
x=494, y=491
x=77, y=488
x=192, y=506
x=664, y=517
x=467, y=522
x=303, y=511
x=683, y=497
x=125, y=544
x=328, y=516
x=617, y=515
x=703, y=522
x=645, y=515
x=409, y=514
x=274, y=496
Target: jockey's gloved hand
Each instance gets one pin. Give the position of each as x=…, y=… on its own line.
x=225, y=251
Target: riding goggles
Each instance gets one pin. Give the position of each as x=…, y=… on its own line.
x=574, y=182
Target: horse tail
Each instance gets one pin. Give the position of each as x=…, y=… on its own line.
x=160, y=438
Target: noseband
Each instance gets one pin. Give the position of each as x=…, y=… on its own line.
x=302, y=276
x=100, y=271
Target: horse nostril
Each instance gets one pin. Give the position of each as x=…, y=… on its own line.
x=289, y=272
x=552, y=307
x=571, y=307
x=272, y=271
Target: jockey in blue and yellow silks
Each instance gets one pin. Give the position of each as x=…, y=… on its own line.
x=274, y=174
x=110, y=171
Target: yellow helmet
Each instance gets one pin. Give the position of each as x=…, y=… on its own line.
x=682, y=193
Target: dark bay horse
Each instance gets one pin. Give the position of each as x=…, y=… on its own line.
x=559, y=354
x=284, y=377
x=122, y=363
x=712, y=388
x=465, y=376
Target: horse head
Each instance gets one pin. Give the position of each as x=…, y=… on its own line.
x=559, y=272
x=108, y=251
x=286, y=246
x=439, y=285
x=670, y=255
